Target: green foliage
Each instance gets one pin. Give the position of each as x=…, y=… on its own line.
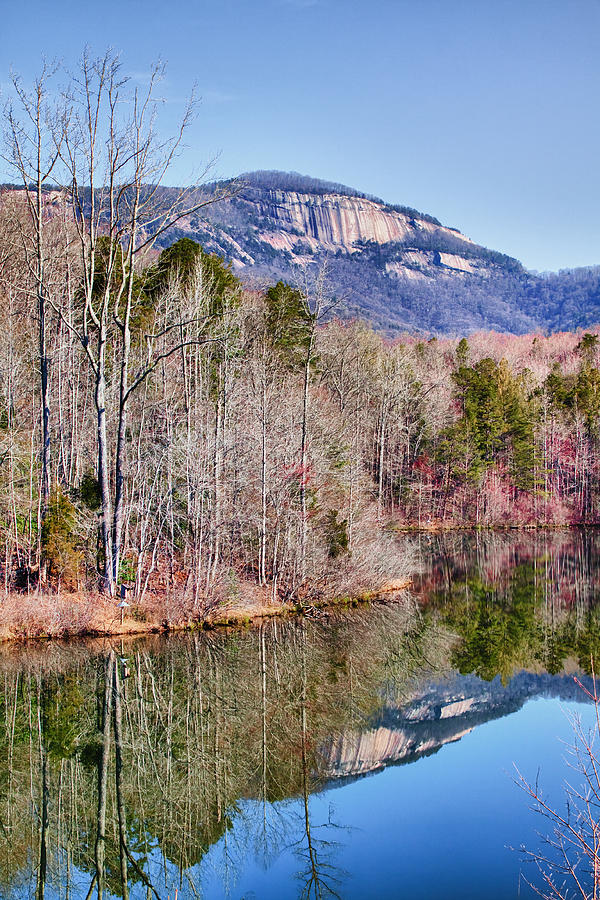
x=587, y=395
x=580, y=393
x=62, y=703
x=497, y=420
x=289, y=324
x=558, y=387
x=503, y=624
x=188, y=263
x=336, y=534
x=126, y=571
x=59, y=540
x=588, y=639
x=462, y=352
x=107, y=257
x=223, y=285
x=178, y=261
x=587, y=347
x=499, y=634
x=142, y=306
x=89, y=491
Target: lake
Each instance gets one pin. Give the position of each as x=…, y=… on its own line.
x=365, y=752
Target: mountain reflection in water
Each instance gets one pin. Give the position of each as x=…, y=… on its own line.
x=136, y=769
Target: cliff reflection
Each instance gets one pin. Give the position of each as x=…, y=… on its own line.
x=121, y=766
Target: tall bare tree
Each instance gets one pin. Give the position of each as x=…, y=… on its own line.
x=36, y=130
x=116, y=162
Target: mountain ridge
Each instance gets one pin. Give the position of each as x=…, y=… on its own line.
x=397, y=268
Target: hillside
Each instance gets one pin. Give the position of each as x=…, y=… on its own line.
x=398, y=268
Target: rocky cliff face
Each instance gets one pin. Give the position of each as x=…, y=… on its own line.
x=397, y=267
x=337, y=222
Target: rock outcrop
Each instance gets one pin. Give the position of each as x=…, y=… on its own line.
x=394, y=266
x=337, y=222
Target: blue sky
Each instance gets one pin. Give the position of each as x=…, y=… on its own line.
x=484, y=113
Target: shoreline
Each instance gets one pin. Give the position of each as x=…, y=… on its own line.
x=108, y=624
x=64, y=616
x=444, y=528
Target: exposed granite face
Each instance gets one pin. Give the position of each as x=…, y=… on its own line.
x=354, y=754
x=335, y=222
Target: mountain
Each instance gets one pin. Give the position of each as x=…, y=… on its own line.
x=400, y=269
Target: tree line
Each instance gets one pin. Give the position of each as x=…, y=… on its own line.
x=163, y=428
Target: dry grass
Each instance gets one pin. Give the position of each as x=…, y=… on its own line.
x=54, y=615
x=70, y=615
x=24, y=616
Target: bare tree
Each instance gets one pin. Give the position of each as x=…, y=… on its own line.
x=36, y=130
x=116, y=162
x=569, y=864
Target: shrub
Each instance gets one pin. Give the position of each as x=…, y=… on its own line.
x=59, y=543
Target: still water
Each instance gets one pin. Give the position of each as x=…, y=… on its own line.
x=369, y=753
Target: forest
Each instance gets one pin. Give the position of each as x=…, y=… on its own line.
x=166, y=430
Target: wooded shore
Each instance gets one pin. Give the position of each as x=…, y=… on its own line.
x=70, y=615
x=166, y=430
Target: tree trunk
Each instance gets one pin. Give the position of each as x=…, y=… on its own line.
x=100, y=845
x=103, y=478
x=117, y=722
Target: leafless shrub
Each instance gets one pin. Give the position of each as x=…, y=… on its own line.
x=50, y=615
x=569, y=863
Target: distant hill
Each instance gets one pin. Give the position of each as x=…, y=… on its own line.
x=396, y=267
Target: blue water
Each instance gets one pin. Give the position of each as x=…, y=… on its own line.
x=449, y=825
x=442, y=826
x=398, y=774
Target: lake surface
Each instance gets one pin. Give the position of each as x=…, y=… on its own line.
x=366, y=753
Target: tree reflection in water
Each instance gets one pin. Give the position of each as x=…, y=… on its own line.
x=122, y=773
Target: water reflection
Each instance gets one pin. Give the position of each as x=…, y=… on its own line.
x=516, y=601
x=167, y=766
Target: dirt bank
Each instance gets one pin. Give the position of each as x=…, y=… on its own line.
x=50, y=616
